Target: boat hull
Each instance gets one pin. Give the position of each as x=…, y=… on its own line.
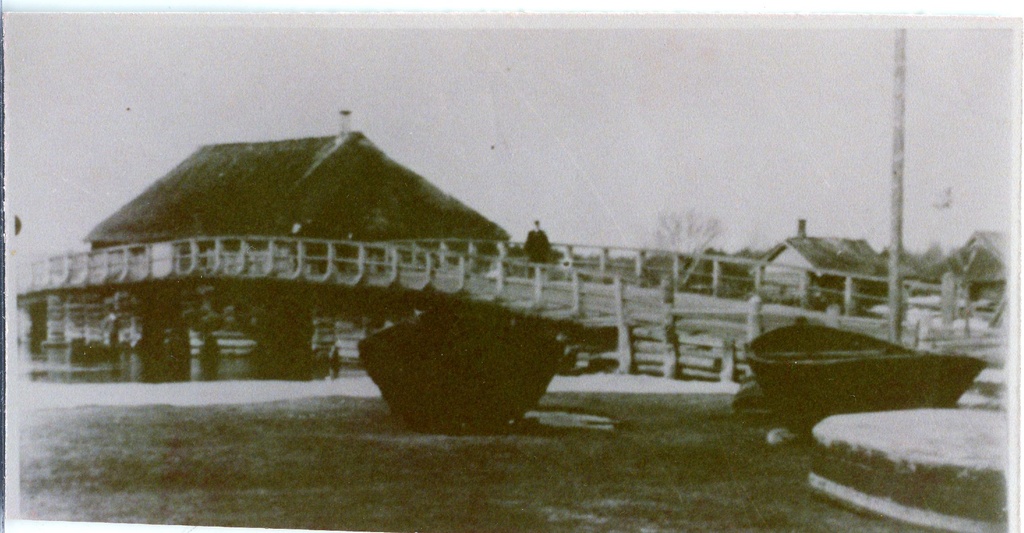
x=463, y=369
x=807, y=373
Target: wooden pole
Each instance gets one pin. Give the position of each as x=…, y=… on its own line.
x=753, y=318
x=948, y=298
x=805, y=289
x=896, y=244
x=575, y=293
x=728, y=370
x=625, y=344
x=675, y=272
x=640, y=264
x=716, y=277
x=672, y=342
x=832, y=316
x=470, y=256
x=848, y=302
x=538, y=285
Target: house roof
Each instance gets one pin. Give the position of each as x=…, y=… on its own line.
x=325, y=187
x=984, y=256
x=828, y=253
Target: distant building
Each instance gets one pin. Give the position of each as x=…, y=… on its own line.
x=983, y=259
x=340, y=187
x=815, y=269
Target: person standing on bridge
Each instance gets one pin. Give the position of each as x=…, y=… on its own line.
x=537, y=247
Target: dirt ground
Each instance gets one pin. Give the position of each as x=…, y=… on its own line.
x=674, y=463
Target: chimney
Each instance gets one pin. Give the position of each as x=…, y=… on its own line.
x=346, y=121
x=801, y=228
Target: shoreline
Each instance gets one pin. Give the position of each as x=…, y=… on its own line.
x=37, y=395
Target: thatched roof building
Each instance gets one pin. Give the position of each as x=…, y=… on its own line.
x=326, y=187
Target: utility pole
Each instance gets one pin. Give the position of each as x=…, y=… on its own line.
x=896, y=243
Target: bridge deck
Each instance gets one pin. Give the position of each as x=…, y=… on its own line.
x=607, y=287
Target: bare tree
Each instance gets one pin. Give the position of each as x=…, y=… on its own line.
x=689, y=233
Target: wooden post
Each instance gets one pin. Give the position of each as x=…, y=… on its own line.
x=805, y=289
x=832, y=316
x=675, y=272
x=538, y=285
x=728, y=361
x=716, y=277
x=300, y=257
x=625, y=343
x=896, y=244
x=470, y=256
x=575, y=293
x=218, y=255
x=672, y=341
x=640, y=256
x=968, y=313
x=949, y=303
x=602, y=260
x=361, y=260
x=442, y=253
x=499, y=280
x=105, y=270
x=923, y=333
x=55, y=317
x=428, y=259
x=268, y=266
x=463, y=273
x=753, y=318
x=394, y=264
x=668, y=294
x=849, y=305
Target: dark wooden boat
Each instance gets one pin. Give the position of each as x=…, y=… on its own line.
x=809, y=372
x=463, y=368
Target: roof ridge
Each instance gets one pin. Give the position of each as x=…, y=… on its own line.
x=830, y=238
x=258, y=143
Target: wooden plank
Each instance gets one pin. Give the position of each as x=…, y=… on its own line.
x=694, y=373
x=652, y=358
x=650, y=333
x=653, y=347
x=700, y=362
x=724, y=327
x=701, y=340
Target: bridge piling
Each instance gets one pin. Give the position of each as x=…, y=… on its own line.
x=625, y=341
x=163, y=352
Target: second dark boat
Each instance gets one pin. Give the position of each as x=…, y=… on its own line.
x=809, y=372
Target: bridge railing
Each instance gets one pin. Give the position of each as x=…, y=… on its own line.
x=418, y=263
x=711, y=274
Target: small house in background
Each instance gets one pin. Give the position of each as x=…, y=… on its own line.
x=814, y=271
x=983, y=260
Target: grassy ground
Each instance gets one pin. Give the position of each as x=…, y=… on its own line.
x=676, y=463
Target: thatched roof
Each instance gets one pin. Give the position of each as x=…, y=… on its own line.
x=829, y=253
x=327, y=187
x=984, y=257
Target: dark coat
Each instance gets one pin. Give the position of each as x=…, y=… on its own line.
x=537, y=247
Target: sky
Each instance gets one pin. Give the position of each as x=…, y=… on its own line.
x=593, y=125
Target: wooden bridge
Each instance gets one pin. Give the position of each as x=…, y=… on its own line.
x=672, y=314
